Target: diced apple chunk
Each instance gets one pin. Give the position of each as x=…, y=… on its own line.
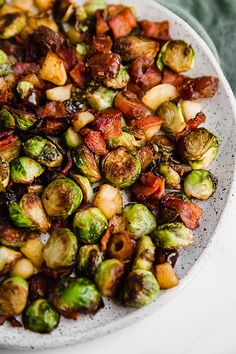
x=159, y=94
x=190, y=109
x=108, y=200
x=53, y=70
x=166, y=276
x=32, y=249
x=81, y=119
x=60, y=93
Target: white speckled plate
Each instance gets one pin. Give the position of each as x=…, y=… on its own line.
x=221, y=114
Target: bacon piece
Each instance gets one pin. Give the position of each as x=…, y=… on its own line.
x=200, y=87
x=68, y=165
x=26, y=68
x=135, y=89
x=94, y=140
x=51, y=126
x=147, y=122
x=101, y=25
x=191, y=125
x=156, y=30
x=123, y=23
x=47, y=39
x=105, y=238
x=52, y=109
x=108, y=122
x=6, y=96
x=104, y=65
x=144, y=73
x=101, y=44
x=130, y=105
x=78, y=74
x=7, y=138
x=172, y=78
x=68, y=56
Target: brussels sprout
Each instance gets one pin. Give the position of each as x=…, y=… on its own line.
x=141, y=288
x=40, y=317
x=23, y=120
x=80, y=295
x=62, y=197
x=89, y=225
x=145, y=254
x=8, y=258
x=3, y=56
x=85, y=161
x=177, y=55
x=121, y=167
x=10, y=235
x=82, y=48
x=23, y=88
x=173, y=235
x=11, y=24
x=108, y=276
x=139, y=220
x=72, y=139
x=10, y=147
x=89, y=258
x=126, y=140
x=172, y=178
x=5, y=64
x=199, y=184
x=172, y=116
x=199, y=148
x=13, y=296
x=60, y=249
x=132, y=47
x=120, y=246
x=4, y=174
x=101, y=98
x=29, y=213
x=6, y=120
x=85, y=186
x=43, y=151
x=25, y=170
x=91, y=6
x=120, y=81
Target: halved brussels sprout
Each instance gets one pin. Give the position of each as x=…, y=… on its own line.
x=132, y=47
x=108, y=276
x=177, y=55
x=121, y=167
x=29, y=213
x=109, y=200
x=101, y=98
x=23, y=87
x=141, y=288
x=85, y=186
x=172, y=178
x=173, y=235
x=120, y=246
x=40, y=317
x=139, y=220
x=91, y=6
x=60, y=249
x=199, y=184
x=43, y=151
x=72, y=139
x=8, y=258
x=25, y=170
x=120, y=81
x=199, y=148
x=82, y=48
x=127, y=140
x=80, y=295
x=89, y=258
x=145, y=254
x=85, y=161
x=6, y=120
x=10, y=235
x=62, y=197
x=13, y=296
x=11, y=24
x=4, y=174
x=23, y=120
x=172, y=116
x=89, y=225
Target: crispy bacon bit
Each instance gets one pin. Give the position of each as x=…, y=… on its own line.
x=200, y=87
x=7, y=139
x=2, y=319
x=172, y=78
x=123, y=23
x=151, y=78
x=156, y=30
x=105, y=238
x=144, y=73
x=104, y=65
x=51, y=126
x=191, y=125
x=38, y=286
x=14, y=322
x=147, y=122
x=189, y=212
x=166, y=255
x=135, y=89
x=149, y=189
x=78, y=74
x=52, y=109
x=146, y=155
x=68, y=56
x=68, y=165
x=130, y=105
x=101, y=25
x=101, y=44
x=26, y=68
x=6, y=96
x=47, y=39
x=108, y=122
x=94, y=140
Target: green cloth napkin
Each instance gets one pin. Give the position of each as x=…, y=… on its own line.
x=218, y=17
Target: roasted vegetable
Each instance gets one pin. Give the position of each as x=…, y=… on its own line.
x=85, y=161
x=108, y=200
x=91, y=6
x=199, y=184
x=88, y=260
x=6, y=120
x=13, y=296
x=101, y=98
x=85, y=186
x=8, y=258
x=108, y=276
x=173, y=235
x=72, y=139
x=23, y=120
x=11, y=24
x=166, y=276
x=4, y=174
x=171, y=114
x=144, y=254
x=172, y=178
x=120, y=81
x=25, y=170
x=81, y=119
x=10, y=235
x=132, y=47
x=23, y=88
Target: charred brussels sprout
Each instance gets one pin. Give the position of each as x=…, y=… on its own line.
x=173, y=235
x=62, y=197
x=23, y=120
x=80, y=295
x=177, y=55
x=89, y=225
x=126, y=140
x=89, y=258
x=91, y=6
x=200, y=184
x=11, y=24
x=139, y=220
x=25, y=170
x=29, y=213
x=6, y=120
x=172, y=177
x=4, y=174
x=13, y=296
x=145, y=254
x=85, y=186
x=199, y=148
x=132, y=47
x=72, y=139
x=40, y=317
x=60, y=249
x=141, y=288
x=8, y=258
x=121, y=167
x=101, y=98
x=120, y=81
x=43, y=151
x=108, y=275
x=85, y=161
x=171, y=114
x=10, y=235
x=23, y=88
